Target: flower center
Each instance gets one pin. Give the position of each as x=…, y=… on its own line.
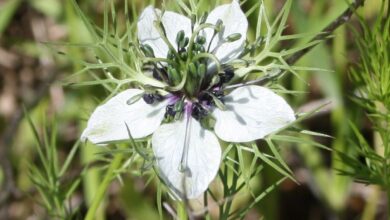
x=194, y=74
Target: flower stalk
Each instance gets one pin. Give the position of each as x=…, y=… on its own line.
x=109, y=176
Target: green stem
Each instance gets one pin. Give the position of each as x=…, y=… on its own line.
x=388, y=201
x=116, y=162
x=192, y=40
x=181, y=211
x=210, y=56
x=164, y=60
x=165, y=39
x=370, y=208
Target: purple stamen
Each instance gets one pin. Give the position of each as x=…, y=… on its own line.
x=172, y=99
x=188, y=108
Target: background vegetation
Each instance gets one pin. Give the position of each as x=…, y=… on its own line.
x=46, y=173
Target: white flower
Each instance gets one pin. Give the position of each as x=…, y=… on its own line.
x=187, y=154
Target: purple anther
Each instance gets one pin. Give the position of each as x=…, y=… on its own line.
x=199, y=111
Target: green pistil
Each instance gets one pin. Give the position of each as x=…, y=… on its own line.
x=147, y=50
x=218, y=28
x=192, y=83
x=186, y=67
x=194, y=35
x=159, y=60
x=174, y=76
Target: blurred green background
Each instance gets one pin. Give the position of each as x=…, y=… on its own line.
x=31, y=75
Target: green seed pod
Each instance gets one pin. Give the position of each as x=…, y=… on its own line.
x=204, y=18
x=180, y=37
x=184, y=42
x=201, y=70
x=171, y=55
x=233, y=37
x=192, y=69
x=184, y=55
x=219, y=26
x=147, y=50
x=190, y=86
x=193, y=21
x=200, y=40
x=197, y=47
x=173, y=75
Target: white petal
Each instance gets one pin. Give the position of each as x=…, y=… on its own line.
x=172, y=22
x=234, y=21
x=204, y=156
x=108, y=122
x=252, y=113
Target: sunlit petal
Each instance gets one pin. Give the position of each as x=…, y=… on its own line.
x=172, y=22
x=234, y=21
x=191, y=174
x=252, y=113
x=108, y=122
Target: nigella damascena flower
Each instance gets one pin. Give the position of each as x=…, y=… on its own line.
x=193, y=60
